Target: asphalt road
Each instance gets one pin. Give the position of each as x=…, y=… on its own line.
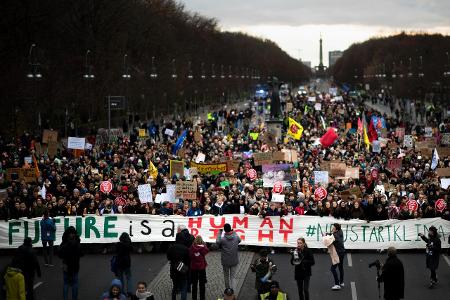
x=95, y=276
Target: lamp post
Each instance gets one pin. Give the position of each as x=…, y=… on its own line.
x=88, y=76
x=190, y=74
x=125, y=76
x=34, y=74
x=153, y=77
x=421, y=74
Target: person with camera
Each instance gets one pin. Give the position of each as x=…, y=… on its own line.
x=392, y=275
x=264, y=268
x=303, y=259
x=433, y=249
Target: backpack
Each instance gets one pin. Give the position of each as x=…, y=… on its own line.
x=114, y=265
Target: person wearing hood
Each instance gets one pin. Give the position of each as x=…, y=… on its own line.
x=142, y=293
x=178, y=256
x=433, y=249
x=197, y=254
x=70, y=253
x=29, y=264
x=123, y=250
x=115, y=291
x=14, y=282
x=228, y=242
x=48, y=230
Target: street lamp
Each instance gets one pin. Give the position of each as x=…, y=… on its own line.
x=190, y=75
x=153, y=74
x=230, y=72
x=222, y=74
x=174, y=70
x=410, y=74
x=421, y=74
x=447, y=67
x=213, y=71
x=203, y=74
x=34, y=71
x=88, y=75
x=126, y=70
x=393, y=70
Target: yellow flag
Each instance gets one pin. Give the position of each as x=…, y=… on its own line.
x=366, y=138
x=152, y=170
x=295, y=130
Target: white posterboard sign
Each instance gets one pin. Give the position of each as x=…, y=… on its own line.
x=88, y=146
x=277, y=198
x=168, y=132
x=200, y=157
x=408, y=141
x=312, y=99
x=171, y=191
x=318, y=106
x=321, y=177
x=376, y=146
x=145, y=193
x=161, y=198
x=428, y=131
x=445, y=182
x=76, y=143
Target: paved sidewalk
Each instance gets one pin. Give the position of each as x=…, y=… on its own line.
x=161, y=285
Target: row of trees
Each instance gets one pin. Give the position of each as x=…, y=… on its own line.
x=410, y=65
x=134, y=38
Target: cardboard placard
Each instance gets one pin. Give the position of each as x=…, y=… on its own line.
x=233, y=165
x=352, y=172
x=28, y=174
x=186, y=190
x=337, y=169
x=400, y=132
x=142, y=133
x=52, y=149
x=443, y=151
x=394, y=164
x=270, y=139
x=289, y=106
x=176, y=168
x=262, y=158
x=443, y=172
x=49, y=136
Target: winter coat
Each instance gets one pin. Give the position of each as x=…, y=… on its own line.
x=48, y=229
x=29, y=263
x=123, y=250
x=185, y=238
x=303, y=269
x=393, y=277
x=229, y=244
x=339, y=242
x=261, y=268
x=433, y=252
x=108, y=296
x=197, y=254
x=14, y=284
x=70, y=252
x=175, y=254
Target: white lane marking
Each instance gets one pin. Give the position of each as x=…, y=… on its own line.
x=349, y=260
x=37, y=285
x=447, y=260
x=353, y=287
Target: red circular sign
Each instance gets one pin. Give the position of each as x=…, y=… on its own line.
x=440, y=205
x=106, y=187
x=252, y=174
x=412, y=205
x=320, y=193
x=277, y=187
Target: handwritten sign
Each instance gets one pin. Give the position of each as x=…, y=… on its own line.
x=176, y=168
x=145, y=193
x=186, y=190
x=321, y=177
x=76, y=143
x=262, y=158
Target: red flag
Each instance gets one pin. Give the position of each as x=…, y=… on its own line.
x=328, y=138
x=360, y=126
x=373, y=135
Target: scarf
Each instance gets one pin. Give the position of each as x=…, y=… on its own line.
x=143, y=295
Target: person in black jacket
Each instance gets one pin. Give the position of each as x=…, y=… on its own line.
x=340, y=249
x=123, y=250
x=433, y=251
x=70, y=253
x=178, y=256
x=29, y=265
x=393, y=276
x=303, y=259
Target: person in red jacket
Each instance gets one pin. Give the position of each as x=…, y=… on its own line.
x=197, y=253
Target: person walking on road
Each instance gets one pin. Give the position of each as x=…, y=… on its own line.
x=303, y=259
x=123, y=250
x=28, y=263
x=48, y=230
x=340, y=249
x=393, y=276
x=70, y=253
x=228, y=242
x=433, y=249
x=197, y=253
x=14, y=282
x=178, y=255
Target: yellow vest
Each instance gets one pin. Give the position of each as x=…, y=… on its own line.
x=280, y=296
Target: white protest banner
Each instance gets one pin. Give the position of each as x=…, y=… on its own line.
x=253, y=230
x=445, y=182
x=408, y=141
x=76, y=143
x=279, y=198
x=321, y=177
x=145, y=193
x=168, y=132
x=376, y=146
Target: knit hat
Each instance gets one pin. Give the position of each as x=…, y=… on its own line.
x=227, y=228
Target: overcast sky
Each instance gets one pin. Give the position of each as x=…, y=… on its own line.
x=295, y=25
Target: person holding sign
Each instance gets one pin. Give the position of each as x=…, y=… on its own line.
x=433, y=249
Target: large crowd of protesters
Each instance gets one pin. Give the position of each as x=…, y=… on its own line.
x=72, y=182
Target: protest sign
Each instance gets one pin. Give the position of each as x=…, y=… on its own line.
x=168, y=132
x=145, y=193
x=28, y=160
x=277, y=187
x=142, y=133
x=320, y=193
x=76, y=143
x=52, y=149
x=400, y=132
x=394, y=164
x=273, y=173
x=29, y=174
x=445, y=139
x=49, y=136
x=440, y=205
x=176, y=168
x=443, y=172
x=216, y=168
x=376, y=147
x=337, y=169
x=270, y=139
x=262, y=158
x=88, y=146
x=253, y=230
x=428, y=132
x=351, y=172
x=198, y=137
x=408, y=141
x=278, y=198
x=106, y=187
x=443, y=151
x=193, y=172
x=321, y=177
x=161, y=198
x=289, y=106
x=186, y=190
x=233, y=165
x=252, y=174
x=311, y=99
x=171, y=193
x=445, y=182
x=318, y=106
x=200, y=157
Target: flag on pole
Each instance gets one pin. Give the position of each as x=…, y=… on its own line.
x=152, y=170
x=360, y=126
x=435, y=159
x=323, y=122
x=373, y=135
x=295, y=130
x=179, y=143
x=365, y=136
x=328, y=138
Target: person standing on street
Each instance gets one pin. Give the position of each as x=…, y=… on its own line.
x=433, y=251
x=197, y=253
x=123, y=250
x=28, y=263
x=393, y=276
x=48, y=230
x=262, y=267
x=14, y=282
x=303, y=259
x=229, y=245
x=70, y=253
x=275, y=293
x=178, y=255
x=338, y=243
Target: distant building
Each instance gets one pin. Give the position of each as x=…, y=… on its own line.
x=333, y=56
x=307, y=63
